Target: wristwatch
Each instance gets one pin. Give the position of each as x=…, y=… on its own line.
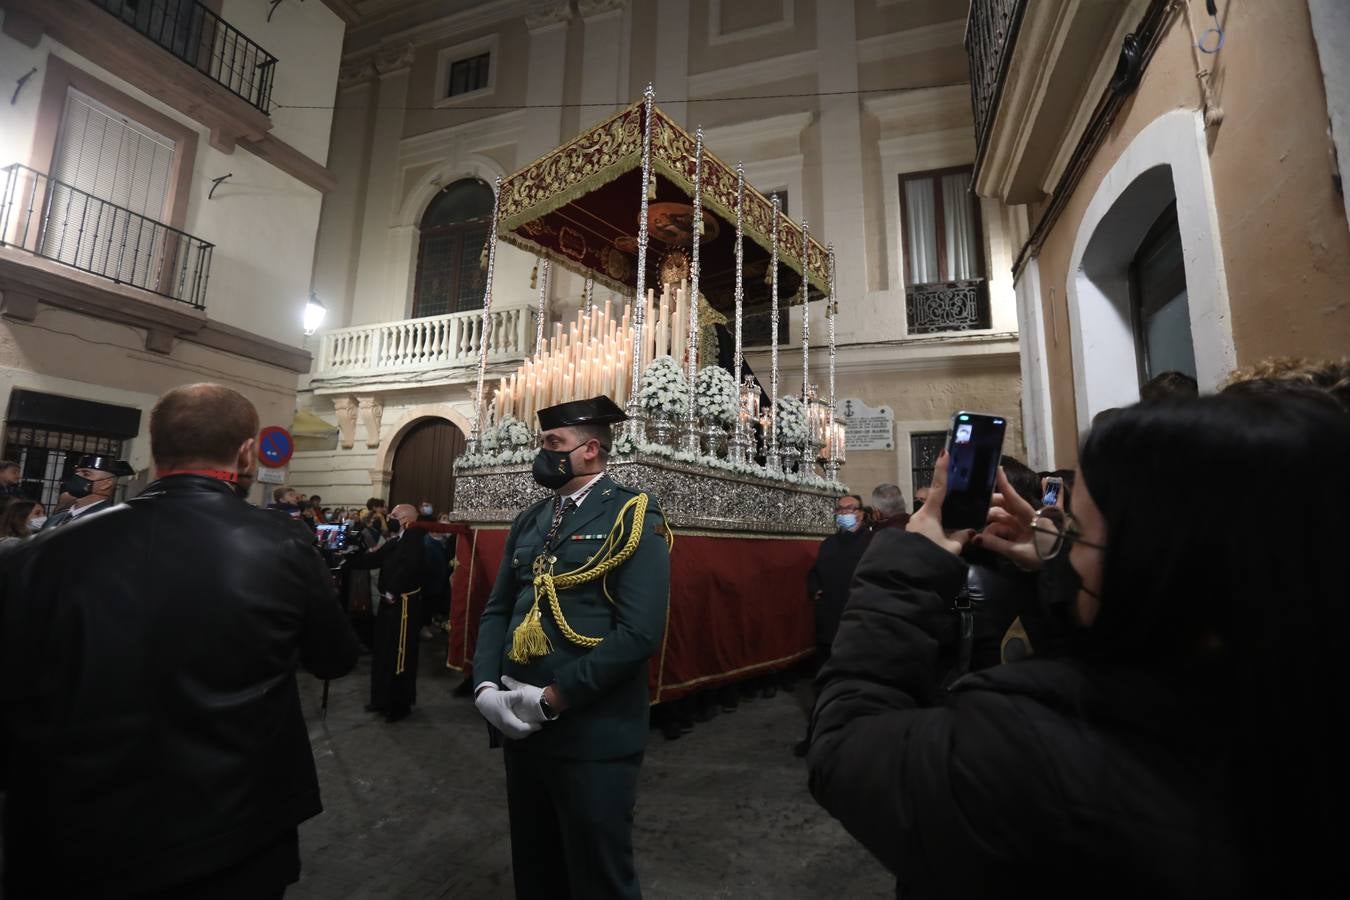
x=546, y=708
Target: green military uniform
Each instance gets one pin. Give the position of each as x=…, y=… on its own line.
x=572, y=786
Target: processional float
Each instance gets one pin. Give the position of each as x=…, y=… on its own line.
x=638, y=201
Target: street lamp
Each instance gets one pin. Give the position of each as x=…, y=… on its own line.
x=314, y=314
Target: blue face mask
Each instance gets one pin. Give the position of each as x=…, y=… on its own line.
x=847, y=521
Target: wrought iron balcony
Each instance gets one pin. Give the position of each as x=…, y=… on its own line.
x=56, y=221
x=203, y=40
x=415, y=345
x=947, y=306
x=991, y=30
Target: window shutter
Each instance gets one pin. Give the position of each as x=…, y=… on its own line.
x=104, y=156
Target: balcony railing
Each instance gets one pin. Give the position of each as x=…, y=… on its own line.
x=990, y=32
x=947, y=306
x=56, y=221
x=448, y=341
x=203, y=40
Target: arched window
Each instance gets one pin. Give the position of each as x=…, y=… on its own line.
x=454, y=229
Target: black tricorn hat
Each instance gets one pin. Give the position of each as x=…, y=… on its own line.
x=105, y=464
x=595, y=411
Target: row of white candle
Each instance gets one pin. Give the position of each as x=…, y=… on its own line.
x=592, y=355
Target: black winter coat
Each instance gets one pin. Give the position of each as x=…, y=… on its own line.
x=1045, y=779
x=830, y=575
x=152, y=730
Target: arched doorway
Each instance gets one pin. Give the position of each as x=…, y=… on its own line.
x=422, y=464
x=453, y=230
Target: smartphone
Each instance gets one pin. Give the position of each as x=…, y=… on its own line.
x=1054, y=486
x=332, y=537
x=974, y=447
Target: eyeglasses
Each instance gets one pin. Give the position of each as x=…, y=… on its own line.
x=1054, y=530
x=848, y=509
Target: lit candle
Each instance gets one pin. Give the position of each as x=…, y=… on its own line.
x=681, y=323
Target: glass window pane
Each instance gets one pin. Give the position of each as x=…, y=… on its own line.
x=924, y=448
x=469, y=289
x=464, y=201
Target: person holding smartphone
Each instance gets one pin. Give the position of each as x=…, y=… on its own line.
x=1182, y=746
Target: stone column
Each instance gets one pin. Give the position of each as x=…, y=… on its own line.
x=338, y=242
x=371, y=302
x=548, y=22
x=602, y=59
x=841, y=164
x=672, y=57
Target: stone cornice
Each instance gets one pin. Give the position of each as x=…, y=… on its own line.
x=940, y=36
x=393, y=58
x=545, y=14
x=765, y=71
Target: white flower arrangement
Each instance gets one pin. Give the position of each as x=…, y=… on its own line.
x=624, y=445
x=663, y=389
x=791, y=418
x=513, y=433
x=715, y=395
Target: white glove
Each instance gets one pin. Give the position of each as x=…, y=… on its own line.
x=496, y=706
x=524, y=701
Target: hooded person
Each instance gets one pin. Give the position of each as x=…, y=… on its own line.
x=577, y=610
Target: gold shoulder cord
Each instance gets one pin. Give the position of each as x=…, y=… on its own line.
x=529, y=639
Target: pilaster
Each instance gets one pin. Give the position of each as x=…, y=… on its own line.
x=371, y=303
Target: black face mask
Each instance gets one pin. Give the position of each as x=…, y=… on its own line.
x=553, y=468
x=394, y=526
x=77, y=486
x=1064, y=585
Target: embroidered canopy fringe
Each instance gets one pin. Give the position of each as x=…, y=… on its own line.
x=529, y=639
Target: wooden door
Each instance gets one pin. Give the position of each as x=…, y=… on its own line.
x=422, y=464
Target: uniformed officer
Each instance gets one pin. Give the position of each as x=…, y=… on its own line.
x=578, y=608
x=92, y=486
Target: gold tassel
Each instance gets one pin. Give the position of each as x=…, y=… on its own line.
x=529, y=639
x=651, y=187
x=534, y=277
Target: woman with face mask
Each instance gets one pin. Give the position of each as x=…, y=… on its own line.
x=16, y=517
x=1182, y=744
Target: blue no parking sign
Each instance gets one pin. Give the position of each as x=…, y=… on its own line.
x=275, y=446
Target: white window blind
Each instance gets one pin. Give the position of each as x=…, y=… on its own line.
x=109, y=166
x=102, y=152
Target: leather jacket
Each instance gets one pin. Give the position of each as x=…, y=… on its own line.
x=152, y=729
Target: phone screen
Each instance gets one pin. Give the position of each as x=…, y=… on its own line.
x=974, y=447
x=332, y=537
x=1053, y=486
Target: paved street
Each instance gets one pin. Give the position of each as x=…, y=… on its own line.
x=417, y=809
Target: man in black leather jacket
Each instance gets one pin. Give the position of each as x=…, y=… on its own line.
x=152, y=738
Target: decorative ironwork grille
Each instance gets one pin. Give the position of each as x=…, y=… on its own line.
x=56, y=221
x=947, y=306
x=990, y=33
x=203, y=40
x=924, y=449
x=47, y=456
